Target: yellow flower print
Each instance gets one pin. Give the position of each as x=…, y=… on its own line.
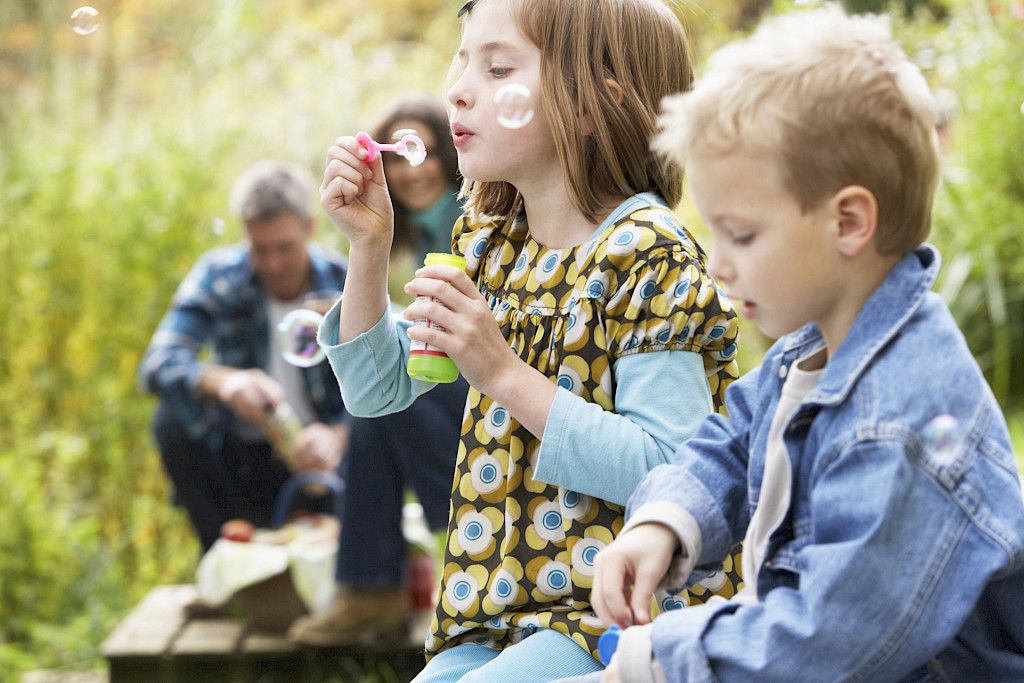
x=462, y=590
x=573, y=373
x=549, y=269
x=603, y=393
x=475, y=533
x=546, y=526
x=553, y=579
x=521, y=270
x=503, y=588
x=496, y=424
x=584, y=554
x=512, y=515
x=577, y=326
x=529, y=483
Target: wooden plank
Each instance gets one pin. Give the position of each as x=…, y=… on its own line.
x=260, y=642
x=208, y=637
x=149, y=629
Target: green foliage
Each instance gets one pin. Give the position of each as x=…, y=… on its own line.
x=114, y=172
x=980, y=209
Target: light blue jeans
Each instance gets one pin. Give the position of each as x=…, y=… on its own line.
x=544, y=656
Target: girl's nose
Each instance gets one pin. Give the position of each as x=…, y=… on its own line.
x=458, y=94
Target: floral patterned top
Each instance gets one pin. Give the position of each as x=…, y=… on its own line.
x=520, y=552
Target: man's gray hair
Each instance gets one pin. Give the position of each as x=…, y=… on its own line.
x=268, y=189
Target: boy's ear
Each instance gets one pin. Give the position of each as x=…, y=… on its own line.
x=856, y=211
x=617, y=93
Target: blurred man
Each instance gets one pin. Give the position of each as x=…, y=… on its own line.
x=211, y=423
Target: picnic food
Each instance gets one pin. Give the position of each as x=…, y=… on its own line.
x=239, y=530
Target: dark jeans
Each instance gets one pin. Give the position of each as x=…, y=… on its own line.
x=241, y=480
x=414, y=448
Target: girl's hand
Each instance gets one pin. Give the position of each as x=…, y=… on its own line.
x=471, y=336
x=355, y=194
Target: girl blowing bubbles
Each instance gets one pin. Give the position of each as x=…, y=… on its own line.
x=590, y=333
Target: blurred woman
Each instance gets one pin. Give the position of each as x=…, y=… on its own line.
x=414, y=448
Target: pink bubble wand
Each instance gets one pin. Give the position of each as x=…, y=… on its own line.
x=408, y=146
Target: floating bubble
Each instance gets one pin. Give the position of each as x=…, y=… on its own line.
x=514, y=110
x=401, y=133
x=1022, y=108
x=218, y=226
x=298, y=343
x=85, y=20
x=942, y=434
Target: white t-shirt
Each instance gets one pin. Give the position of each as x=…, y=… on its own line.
x=284, y=372
x=777, y=481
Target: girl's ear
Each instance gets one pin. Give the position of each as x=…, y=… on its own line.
x=615, y=90
x=856, y=210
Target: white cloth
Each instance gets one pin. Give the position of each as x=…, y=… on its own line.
x=777, y=480
x=229, y=566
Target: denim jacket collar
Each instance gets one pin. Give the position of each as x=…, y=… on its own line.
x=883, y=314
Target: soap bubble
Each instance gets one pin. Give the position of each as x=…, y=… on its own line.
x=411, y=147
x=85, y=20
x=1022, y=108
x=942, y=434
x=218, y=226
x=298, y=338
x=401, y=133
x=514, y=110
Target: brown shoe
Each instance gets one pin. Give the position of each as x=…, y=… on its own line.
x=356, y=617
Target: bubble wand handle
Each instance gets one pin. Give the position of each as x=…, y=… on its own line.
x=370, y=145
x=410, y=147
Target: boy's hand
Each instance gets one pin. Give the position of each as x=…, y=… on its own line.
x=628, y=571
x=611, y=674
x=471, y=337
x=355, y=194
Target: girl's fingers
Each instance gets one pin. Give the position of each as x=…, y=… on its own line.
x=442, y=290
x=337, y=169
x=351, y=158
x=453, y=276
x=433, y=311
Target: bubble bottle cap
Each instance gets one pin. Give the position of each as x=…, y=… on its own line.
x=608, y=643
x=409, y=146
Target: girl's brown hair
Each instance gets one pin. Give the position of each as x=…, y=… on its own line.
x=611, y=61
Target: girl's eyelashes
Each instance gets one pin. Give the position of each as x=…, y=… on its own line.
x=500, y=71
x=740, y=240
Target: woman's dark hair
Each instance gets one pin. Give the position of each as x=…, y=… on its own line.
x=432, y=113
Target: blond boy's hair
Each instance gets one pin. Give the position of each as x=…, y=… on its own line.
x=835, y=101
x=641, y=45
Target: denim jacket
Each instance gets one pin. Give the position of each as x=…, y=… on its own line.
x=222, y=304
x=901, y=557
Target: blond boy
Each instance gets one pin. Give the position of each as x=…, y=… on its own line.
x=865, y=463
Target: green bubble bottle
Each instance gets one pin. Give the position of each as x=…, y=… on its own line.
x=426, y=362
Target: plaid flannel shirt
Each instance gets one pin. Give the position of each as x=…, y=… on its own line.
x=221, y=307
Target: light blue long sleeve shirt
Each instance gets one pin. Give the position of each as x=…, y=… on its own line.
x=660, y=399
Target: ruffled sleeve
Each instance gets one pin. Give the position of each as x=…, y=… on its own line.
x=668, y=301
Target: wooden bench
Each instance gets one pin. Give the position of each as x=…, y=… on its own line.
x=158, y=642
